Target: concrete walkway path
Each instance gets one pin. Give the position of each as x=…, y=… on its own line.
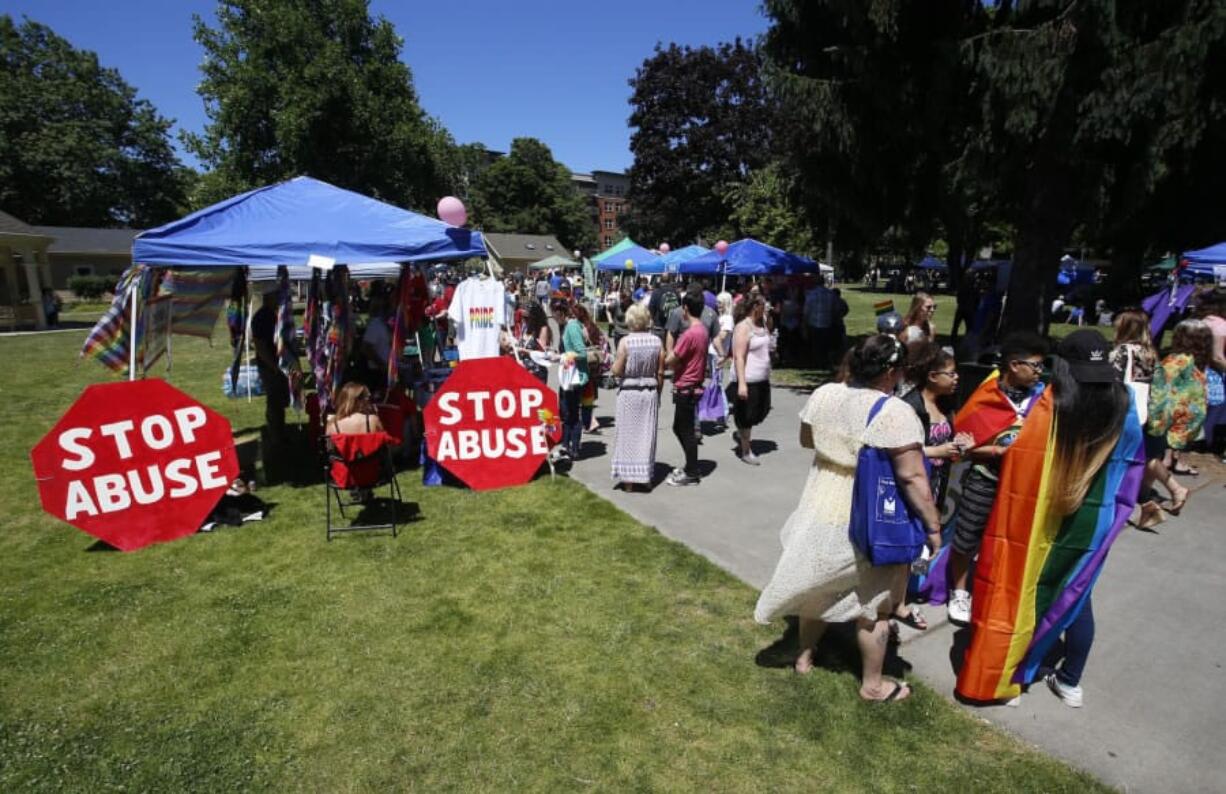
x=1155, y=689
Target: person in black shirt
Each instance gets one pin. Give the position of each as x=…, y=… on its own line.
x=276, y=385
x=664, y=299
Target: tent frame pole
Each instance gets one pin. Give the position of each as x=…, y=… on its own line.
x=247, y=341
x=132, y=334
x=170, y=316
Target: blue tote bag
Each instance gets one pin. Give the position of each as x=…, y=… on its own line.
x=883, y=527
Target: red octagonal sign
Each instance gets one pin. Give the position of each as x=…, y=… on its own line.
x=135, y=463
x=492, y=423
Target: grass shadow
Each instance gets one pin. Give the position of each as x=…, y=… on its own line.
x=837, y=651
x=379, y=510
x=590, y=449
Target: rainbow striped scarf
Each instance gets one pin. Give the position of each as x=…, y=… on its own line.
x=1036, y=568
x=197, y=297
x=109, y=340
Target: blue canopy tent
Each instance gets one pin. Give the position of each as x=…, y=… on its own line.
x=286, y=223
x=749, y=257
x=672, y=260
x=930, y=262
x=616, y=261
x=289, y=223
x=1205, y=262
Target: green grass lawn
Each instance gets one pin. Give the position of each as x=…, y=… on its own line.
x=534, y=638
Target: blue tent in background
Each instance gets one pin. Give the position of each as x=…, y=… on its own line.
x=1213, y=255
x=617, y=260
x=749, y=257
x=673, y=259
x=930, y=262
x=1205, y=261
x=284, y=224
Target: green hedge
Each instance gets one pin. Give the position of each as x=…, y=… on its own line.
x=92, y=287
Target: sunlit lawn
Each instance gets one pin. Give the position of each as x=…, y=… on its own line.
x=534, y=638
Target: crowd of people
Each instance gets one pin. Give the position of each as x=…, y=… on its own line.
x=1076, y=410
x=1099, y=394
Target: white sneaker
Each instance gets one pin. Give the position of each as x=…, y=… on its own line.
x=751, y=459
x=680, y=478
x=959, y=608
x=1071, y=695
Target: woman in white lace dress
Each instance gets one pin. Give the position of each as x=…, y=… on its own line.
x=819, y=577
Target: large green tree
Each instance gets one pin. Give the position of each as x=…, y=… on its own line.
x=77, y=147
x=765, y=208
x=1065, y=114
x=871, y=97
x=702, y=120
x=529, y=192
x=314, y=87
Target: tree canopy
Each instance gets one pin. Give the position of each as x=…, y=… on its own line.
x=314, y=88
x=77, y=147
x=702, y=122
x=529, y=192
x=1047, y=115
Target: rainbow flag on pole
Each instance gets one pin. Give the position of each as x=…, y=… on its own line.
x=883, y=307
x=1036, y=568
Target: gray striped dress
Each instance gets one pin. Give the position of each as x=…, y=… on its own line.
x=638, y=406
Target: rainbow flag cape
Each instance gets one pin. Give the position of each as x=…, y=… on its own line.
x=988, y=411
x=1036, y=568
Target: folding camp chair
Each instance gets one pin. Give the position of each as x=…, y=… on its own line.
x=359, y=462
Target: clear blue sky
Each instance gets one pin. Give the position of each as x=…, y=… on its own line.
x=489, y=70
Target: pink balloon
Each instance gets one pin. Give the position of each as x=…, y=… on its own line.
x=665, y=248
x=722, y=247
x=451, y=211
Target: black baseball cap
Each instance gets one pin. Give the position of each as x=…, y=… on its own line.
x=1088, y=355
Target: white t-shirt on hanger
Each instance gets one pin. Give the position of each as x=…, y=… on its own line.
x=478, y=310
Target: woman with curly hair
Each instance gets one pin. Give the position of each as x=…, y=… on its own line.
x=1135, y=359
x=1178, y=400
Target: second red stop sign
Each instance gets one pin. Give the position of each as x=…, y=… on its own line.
x=492, y=423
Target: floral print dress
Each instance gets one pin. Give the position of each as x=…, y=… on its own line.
x=1177, y=401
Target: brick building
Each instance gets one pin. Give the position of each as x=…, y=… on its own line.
x=606, y=191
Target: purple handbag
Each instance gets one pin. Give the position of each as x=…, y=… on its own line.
x=713, y=406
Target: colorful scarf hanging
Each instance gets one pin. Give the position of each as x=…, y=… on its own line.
x=400, y=323
x=287, y=342
x=314, y=324
x=236, y=322
x=339, y=336
x=1036, y=568
x=197, y=298
x=109, y=341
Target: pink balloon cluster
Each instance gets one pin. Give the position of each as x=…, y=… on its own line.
x=722, y=247
x=451, y=211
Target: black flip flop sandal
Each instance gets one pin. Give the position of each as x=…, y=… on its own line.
x=894, y=693
x=910, y=620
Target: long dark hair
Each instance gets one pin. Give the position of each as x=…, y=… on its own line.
x=536, y=318
x=1089, y=418
x=924, y=358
